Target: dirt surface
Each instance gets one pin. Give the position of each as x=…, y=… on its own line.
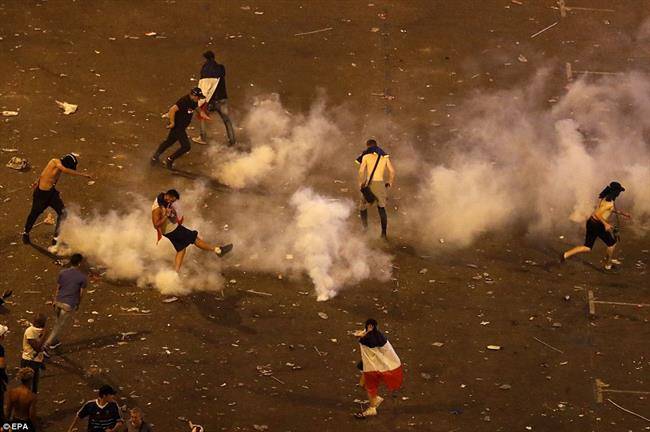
x=197, y=358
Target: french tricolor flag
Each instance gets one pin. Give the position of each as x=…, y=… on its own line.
x=380, y=363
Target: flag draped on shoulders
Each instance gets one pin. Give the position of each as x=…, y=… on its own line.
x=380, y=363
x=373, y=149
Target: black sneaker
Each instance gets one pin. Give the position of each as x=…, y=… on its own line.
x=25, y=237
x=169, y=163
x=224, y=249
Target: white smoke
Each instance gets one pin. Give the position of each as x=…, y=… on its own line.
x=313, y=238
x=124, y=243
x=285, y=147
x=521, y=162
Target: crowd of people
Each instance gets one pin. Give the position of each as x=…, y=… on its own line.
x=376, y=175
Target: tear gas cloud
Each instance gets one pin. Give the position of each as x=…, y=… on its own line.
x=517, y=160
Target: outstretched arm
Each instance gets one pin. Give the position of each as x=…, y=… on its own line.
x=65, y=170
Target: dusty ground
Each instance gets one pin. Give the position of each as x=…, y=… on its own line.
x=196, y=358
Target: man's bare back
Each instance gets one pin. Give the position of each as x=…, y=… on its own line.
x=21, y=404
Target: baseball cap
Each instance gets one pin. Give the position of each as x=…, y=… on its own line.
x=69, y=161
x=197, y=92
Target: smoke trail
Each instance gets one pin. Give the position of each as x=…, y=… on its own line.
x=520, y=161
x=284, y=147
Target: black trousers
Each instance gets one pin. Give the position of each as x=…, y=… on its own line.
x=36, y=367
x=175, y=135
x=41, y=200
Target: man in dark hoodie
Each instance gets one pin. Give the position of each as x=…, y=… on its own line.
x=373, y=163
x=213, y=85
x=45, y=193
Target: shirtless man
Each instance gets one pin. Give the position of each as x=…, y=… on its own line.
x=21, y=401
x=46, y=195
x=598, y=225
x=166, y=221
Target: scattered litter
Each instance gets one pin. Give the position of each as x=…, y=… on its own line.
x=548, y=345
x=323, y=315
x=494, y=347
x=505, y=386
x=522, y=59
x=289, y=257
x=484, y=323
x=19, y=164
x=423, y=271
x=67, y=108
x=313, y=31
x=9, y=113
x=151, y=34
x=260, y=427
x=425, y=376
x=543, y=30
x=259, y=292
x=442, y=241
x=437, y=344
x=170, y=299
x=91, y=182
x=9, y=150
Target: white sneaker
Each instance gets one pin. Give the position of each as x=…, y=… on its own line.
x=379, y=401
x=369, y=412
x=608, y=266
x=199, y=140
x=616, y=262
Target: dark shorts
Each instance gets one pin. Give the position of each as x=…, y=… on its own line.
x=596, y=229
x=181, y=237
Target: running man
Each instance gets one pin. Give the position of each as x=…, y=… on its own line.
x=373, y=162
x=379, y=363
x=168, y=224
x=598, y=226
x=180, y=117
x=45, y=193
x=213, y=85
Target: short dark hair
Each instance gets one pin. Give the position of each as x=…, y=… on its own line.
x=209, y=55
x=106, y=390
x=174, y=193
x=76, y=259
x=25, y=375
x=40, y=320
x=371, y=142
x=372, y=322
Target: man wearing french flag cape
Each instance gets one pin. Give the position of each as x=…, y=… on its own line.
x=379, y=363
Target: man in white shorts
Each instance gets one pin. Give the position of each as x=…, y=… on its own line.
x=373, y=163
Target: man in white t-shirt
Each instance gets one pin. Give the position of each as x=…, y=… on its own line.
x=33, y=344
x=373, y=163
x=169, y=224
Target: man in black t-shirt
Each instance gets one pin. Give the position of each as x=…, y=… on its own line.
x=103, y=413
x=180, y=116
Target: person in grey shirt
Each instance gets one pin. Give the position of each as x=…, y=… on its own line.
x=67, y=298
